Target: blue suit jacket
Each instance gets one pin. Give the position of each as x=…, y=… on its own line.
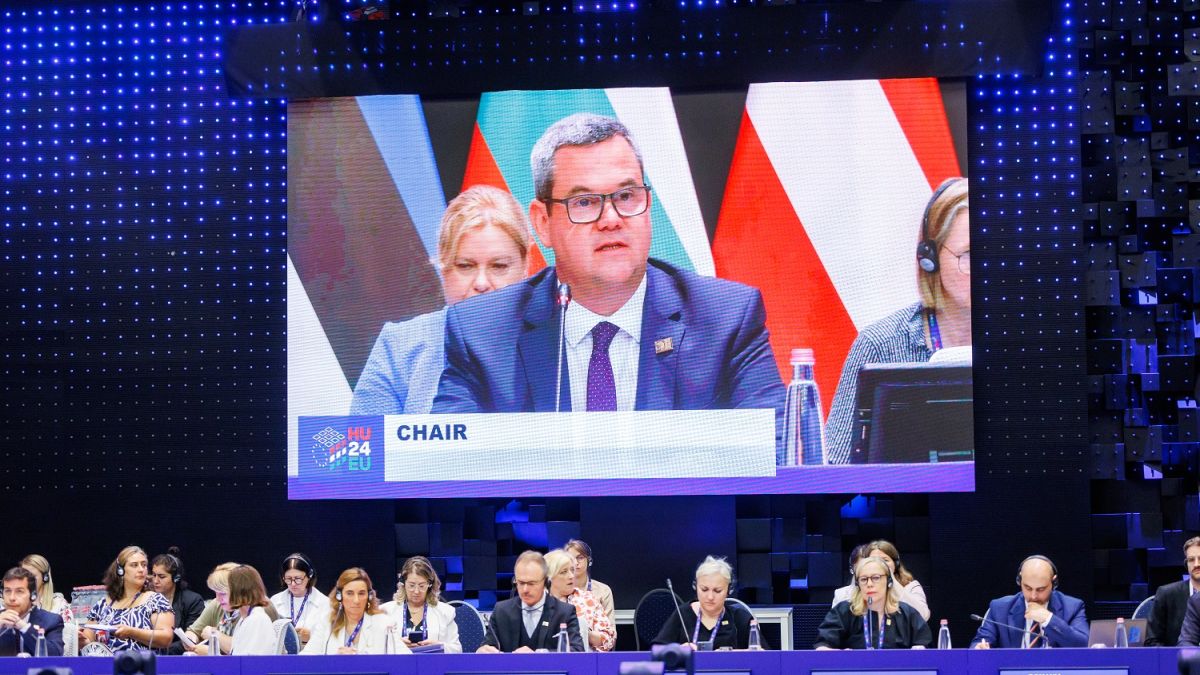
x=502, y=348
x=1068, y=628
x=1189, y=632
x=50, y=622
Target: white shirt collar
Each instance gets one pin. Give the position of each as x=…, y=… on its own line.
x=581, y=320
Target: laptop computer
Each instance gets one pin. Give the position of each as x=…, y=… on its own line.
x=1103, y=632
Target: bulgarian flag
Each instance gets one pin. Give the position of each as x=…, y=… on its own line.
x=510, y=122
x=823, y=207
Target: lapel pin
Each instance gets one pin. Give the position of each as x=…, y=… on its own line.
x=546, y=624
x=663, y=346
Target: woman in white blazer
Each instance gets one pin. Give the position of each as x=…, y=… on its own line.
x=254, y=632
x=300, y=601
x=356, y=625
x=417, y=610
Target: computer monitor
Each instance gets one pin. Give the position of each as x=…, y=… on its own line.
x=913, y=413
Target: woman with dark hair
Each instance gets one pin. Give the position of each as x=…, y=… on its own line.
x=167, y=579
x=129, y=614
x=581, y=553
x=355, y=624
x=300, y=600
x=424, y=620
x=253, y=632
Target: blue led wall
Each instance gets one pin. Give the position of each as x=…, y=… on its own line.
x=142, y=234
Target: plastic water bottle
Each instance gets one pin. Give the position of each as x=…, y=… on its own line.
x=214, y=643
x=754, y=643
x=1121, y=640
x=803, y=433
x=944, y=635
x=564, y=641
x=40, y=649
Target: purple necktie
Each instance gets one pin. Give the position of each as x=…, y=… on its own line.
x=601, y=390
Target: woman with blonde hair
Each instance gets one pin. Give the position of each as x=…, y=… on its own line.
x=483, y=243
x=940, y=319
x=874, y=612
x=423, y=619
x=601, y=634
x=355, y=625
x=710, y=620
x=47, y=598
x=133, y=616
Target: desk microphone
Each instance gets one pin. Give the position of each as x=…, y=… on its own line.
x=564, y=299
x=330, y=635
x=982, y=619
x=678, y=612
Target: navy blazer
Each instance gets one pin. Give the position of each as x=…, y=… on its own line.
x=502, y=348
x=50, y=622
x=1189, y=632
x=1068, y=628
x=506, y=622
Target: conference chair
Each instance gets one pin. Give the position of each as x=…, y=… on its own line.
x=1144, y=609
x=651, y=613
x=286, y=639
x=472, y=631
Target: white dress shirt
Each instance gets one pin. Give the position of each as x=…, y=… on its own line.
x=371, y=639
x=254, y=635
x=316, y=609
x=440, y=624
x=623, y=352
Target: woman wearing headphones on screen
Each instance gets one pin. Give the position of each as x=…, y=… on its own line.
x=166, y=578
x=355, y=624
x=300, y=600
x=483, y=243
x=874, y=612
x=422, y=619
x=710, y=622
x=911, y=591
x=132, y=616
x=941, y=319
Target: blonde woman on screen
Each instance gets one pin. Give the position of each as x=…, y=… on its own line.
x=941, y=319
x=483, y=244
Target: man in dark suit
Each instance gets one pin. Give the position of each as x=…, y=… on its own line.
x=531, y=620
x=1171, y=600
x=20, y=619
x=1038, y=616
x=639, y=334
x=1189, y=632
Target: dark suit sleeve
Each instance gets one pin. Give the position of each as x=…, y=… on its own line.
x=922, y=634
x=1071, y=629
x=52, y=624
x=833, y=632
x=1156, y=626
x=571, y=618
x=755, y=376
x=460, y=389
x=491, y=636
x=987, y=631
x=741, y=621
x=1189, y=633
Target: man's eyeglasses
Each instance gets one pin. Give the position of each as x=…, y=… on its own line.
x=874, y=579
x=628, y=202
x=964, y=260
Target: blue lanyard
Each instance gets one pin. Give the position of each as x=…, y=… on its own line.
x=354, y=635
x=712, y=637
x=420, y=628
x=935, y=335
x=292, y=605
x=867, y=629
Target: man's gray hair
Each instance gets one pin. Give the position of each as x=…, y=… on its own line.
x=577, y=129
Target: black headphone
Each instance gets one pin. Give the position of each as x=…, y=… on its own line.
x=732, y=584
x=312, y=569
x=1053, y=569
x=927, y=250
x=177, y=565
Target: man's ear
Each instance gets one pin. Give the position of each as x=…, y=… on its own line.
x=539, y=218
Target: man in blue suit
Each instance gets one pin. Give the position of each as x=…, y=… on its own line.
x=1039, y=616
x=639, y=334
x=20, y=618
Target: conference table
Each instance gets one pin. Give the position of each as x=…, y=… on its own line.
x=889, y=662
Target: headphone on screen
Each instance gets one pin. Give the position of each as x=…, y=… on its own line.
x=927, y=250
x=1053, y=570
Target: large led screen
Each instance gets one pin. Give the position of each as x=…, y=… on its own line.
x=568, y=313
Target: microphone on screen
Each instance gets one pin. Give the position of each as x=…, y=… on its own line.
x=679, y=613
x=564, y=299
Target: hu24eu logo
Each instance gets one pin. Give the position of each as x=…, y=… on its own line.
x=343, y=449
